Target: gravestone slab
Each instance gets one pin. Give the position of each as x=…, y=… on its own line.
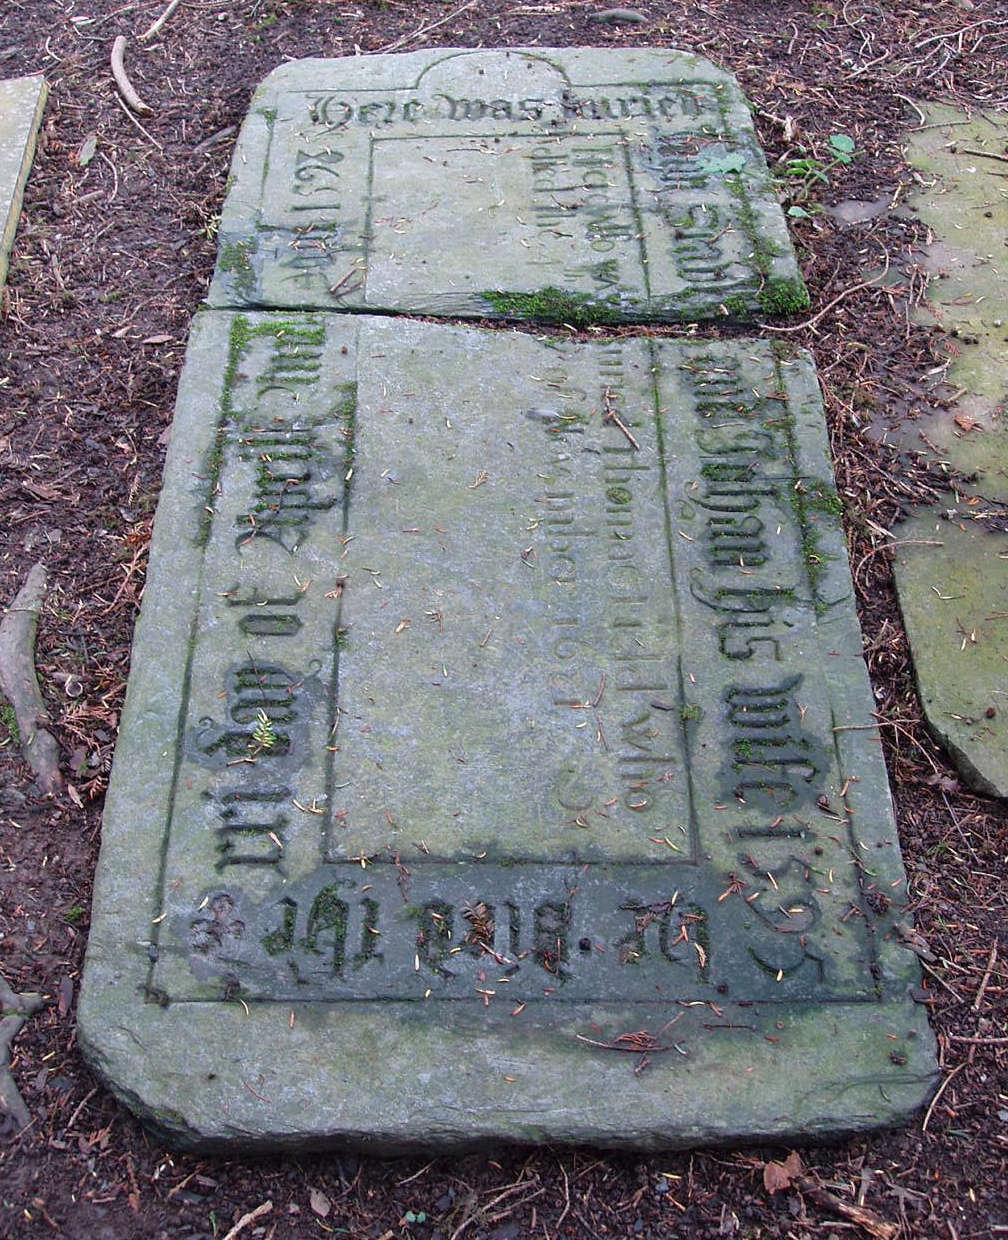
x=498, y=759
x=566, y=184
x=22, y=102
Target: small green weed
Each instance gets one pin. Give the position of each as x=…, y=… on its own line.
x=801, y=176
x=264, y=734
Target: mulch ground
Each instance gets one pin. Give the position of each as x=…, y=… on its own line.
x=113, y=256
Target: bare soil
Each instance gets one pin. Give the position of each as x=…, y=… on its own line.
x=113, y=256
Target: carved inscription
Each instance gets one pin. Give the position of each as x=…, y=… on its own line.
x=258, y=713
x=753, y=597
x=581, y=185
x=331, y=112
x=774, y=758
x=341, y=935
x=253, y=826
x=645, y=198
x=539, y=732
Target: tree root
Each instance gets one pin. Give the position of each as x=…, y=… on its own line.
x=123, y=84
x=16, y=1009
x=19, y=683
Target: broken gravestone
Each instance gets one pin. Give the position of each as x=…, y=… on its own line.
x=498, y=759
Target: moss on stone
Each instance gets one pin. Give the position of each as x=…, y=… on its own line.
x=346, y=414
x=553, y=305
x=807, y=504
x=235, y=257
x=781, y=295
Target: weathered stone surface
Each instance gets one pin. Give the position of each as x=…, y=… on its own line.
x=953, y=594
x=571, y=184
x=962, y=201
x=495, y=700
x=22, y=101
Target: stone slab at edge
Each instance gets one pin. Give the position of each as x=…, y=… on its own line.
x=950, y=569
x=962, y=201
x=22, y=103
x=953, y=593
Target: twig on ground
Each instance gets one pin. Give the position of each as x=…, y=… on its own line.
x=149, y=136
x=906, y=99
x=612, y=416
x=80, y=1107
x=870, y=1221
x=941, y=1089
x=800, y=327
x=986, y=977
x=247, y=1219
x=896, y=542
x=155, y=27
x=567, y=1200
x=985, y=154
x=123, y=84
x=19, y=682
x=424, y=27
x=138, y=555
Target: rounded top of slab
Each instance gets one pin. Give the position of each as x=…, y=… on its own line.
x=610, y=185
x=402, y=70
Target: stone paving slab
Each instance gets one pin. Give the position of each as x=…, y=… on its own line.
x=495, y=699
x=953, y=594
x=963, y=201
x=951, y=569
x=565, y=184
x=22, y=102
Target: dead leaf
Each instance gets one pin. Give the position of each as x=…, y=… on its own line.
x=65, y=995
x=778, y=1176
x=319, y=1202
x=86, y=150
x=945, y=783
x=966, y=423
x=43, y=491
